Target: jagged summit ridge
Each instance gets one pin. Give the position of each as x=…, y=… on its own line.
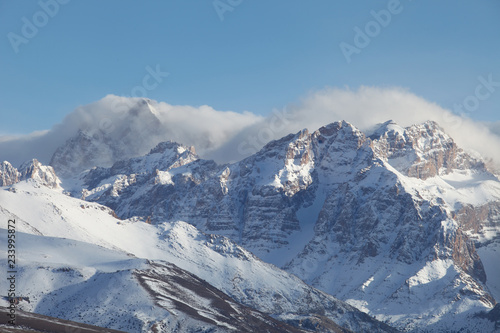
x=171, y=145
x=330, y=201
x=44, y=175
x=156, y=164
x=9, y=174
x=421, y=151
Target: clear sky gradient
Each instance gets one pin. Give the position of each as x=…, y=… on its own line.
x=252, y=55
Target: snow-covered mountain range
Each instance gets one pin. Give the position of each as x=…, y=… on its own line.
x=90, y=266
x=317, y=231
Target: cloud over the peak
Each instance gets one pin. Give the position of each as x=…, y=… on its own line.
x=229, y=136
x=365, y=108
x=368, y=106
x=135, y=123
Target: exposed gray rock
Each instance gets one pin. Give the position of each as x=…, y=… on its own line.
x=8, y=174
x=33, y=169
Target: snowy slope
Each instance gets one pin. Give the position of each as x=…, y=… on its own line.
x=87, y=283
x=215, y=259
x=373, y=219
x=81, y=282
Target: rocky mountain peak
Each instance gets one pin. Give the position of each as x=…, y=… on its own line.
x=33, y=169
x=8, y=174
x=162, y=147
x=163, y=157
x=338, y=134
x=371, y=218
x=280, y=145
x=43, y=174
x=104, y=142
x=141, y=116
x=124, y=173
x=422, y=151
x=339, y=127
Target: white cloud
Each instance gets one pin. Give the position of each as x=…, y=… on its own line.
x=494, y=127
x=365, y=108
x=134, y=126
x=229, y=136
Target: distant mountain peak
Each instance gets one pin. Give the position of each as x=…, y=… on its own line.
x=172, y=146
x=384, y=128
x=386, y=219
x=337, y=126
x=32, y=169
x=128, y=135
x=420, y=150
x=142, y=109
x=8, y=174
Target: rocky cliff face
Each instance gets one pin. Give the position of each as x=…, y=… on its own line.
x=481, y=222
x=421, y=151
x=33, y=169
x=8, y=174
x=373, y=219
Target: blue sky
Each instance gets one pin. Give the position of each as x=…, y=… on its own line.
x=262, y=55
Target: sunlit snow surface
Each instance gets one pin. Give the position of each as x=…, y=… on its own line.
x=462, y=187
x=459, y=187
x=90, y=267
x=427, y=292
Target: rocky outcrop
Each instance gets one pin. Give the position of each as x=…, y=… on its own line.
x=421, y=151
x=44, y=175
x=481, y=223
x=8, y=174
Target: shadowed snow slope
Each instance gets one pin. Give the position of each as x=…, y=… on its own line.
x=100, y=262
